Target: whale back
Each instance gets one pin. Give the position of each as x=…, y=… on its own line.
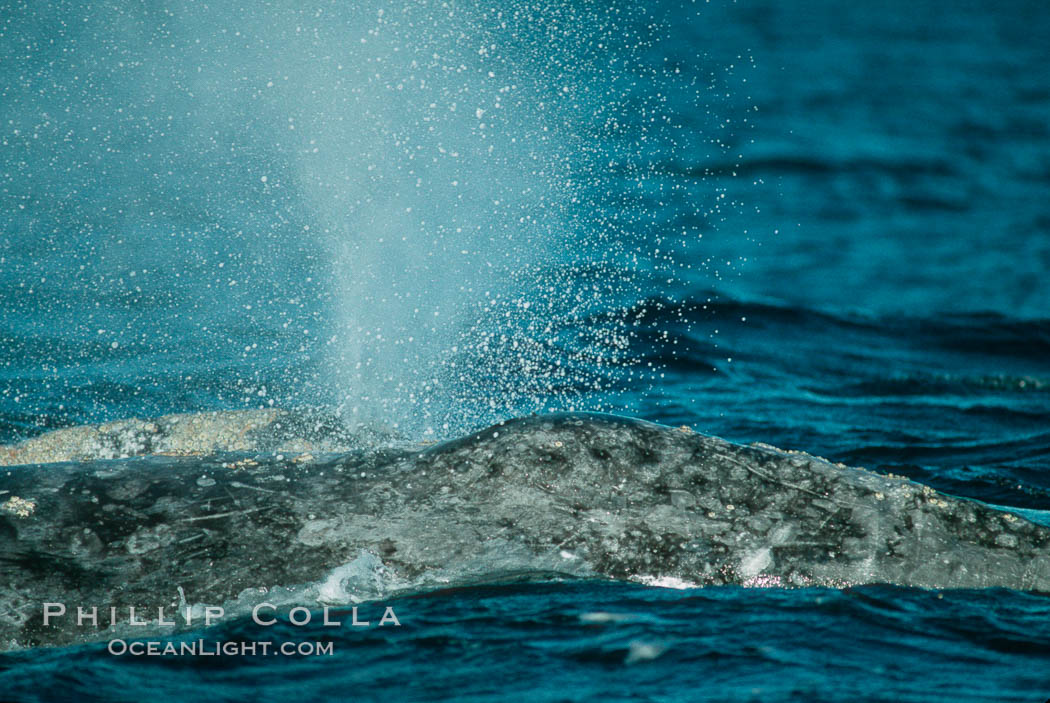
x=570, y=495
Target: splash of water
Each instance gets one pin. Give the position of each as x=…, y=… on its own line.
x=429, y=215
x=446, y=154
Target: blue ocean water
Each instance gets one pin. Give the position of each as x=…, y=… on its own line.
x=596, y=642
x=819, y=225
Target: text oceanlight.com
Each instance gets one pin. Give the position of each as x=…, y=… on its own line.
x=231, y=648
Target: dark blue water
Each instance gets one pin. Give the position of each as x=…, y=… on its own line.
x=589, y=642
x=820, y=225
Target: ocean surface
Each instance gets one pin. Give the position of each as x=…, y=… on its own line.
x=819, y=225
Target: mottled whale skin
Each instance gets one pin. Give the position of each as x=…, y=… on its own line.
x=583, y=495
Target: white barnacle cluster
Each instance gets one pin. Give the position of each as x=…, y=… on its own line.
x=19, y=507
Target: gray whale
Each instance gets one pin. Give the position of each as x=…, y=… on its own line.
x=579, y=495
